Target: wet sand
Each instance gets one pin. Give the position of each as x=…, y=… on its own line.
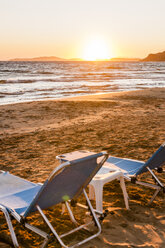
x=126, y=124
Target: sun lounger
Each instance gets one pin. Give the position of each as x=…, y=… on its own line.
x=19, y=198
x=133, y=168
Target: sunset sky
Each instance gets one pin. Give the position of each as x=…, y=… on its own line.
x=72, y=28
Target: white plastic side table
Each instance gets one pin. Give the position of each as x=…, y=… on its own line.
x=97, y=184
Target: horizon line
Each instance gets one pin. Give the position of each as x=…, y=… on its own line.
x=58, y=59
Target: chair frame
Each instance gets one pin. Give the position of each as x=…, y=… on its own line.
x=158, y=186
x=23, y=220
x=45, y=235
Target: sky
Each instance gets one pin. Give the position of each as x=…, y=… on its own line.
x=67, y=28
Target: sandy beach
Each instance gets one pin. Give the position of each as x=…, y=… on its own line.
x=125, y=124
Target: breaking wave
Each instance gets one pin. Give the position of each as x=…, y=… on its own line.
x=26, y=81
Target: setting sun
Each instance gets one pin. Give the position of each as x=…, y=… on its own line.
x=96, y=49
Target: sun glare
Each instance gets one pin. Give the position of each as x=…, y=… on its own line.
x=96, y=49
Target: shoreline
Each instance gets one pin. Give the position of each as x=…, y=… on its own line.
x=69, y=97
x=101, y=96
x=92, y=97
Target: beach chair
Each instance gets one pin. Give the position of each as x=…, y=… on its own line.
x=19, y=198
x=133, y=168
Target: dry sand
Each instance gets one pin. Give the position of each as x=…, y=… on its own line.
x=127, y=124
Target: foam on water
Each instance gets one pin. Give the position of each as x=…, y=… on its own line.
x=30, y=81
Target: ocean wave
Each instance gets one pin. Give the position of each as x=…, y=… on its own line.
x=12, y=93
x=29, y=81
x=15, y=81
x=44, y=72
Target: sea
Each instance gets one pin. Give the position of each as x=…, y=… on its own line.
x=35, y=81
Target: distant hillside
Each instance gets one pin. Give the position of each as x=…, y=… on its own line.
x=51, y=58
x=155, y=57
x=46, y=59
x=75, y=59
x=124, y=59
